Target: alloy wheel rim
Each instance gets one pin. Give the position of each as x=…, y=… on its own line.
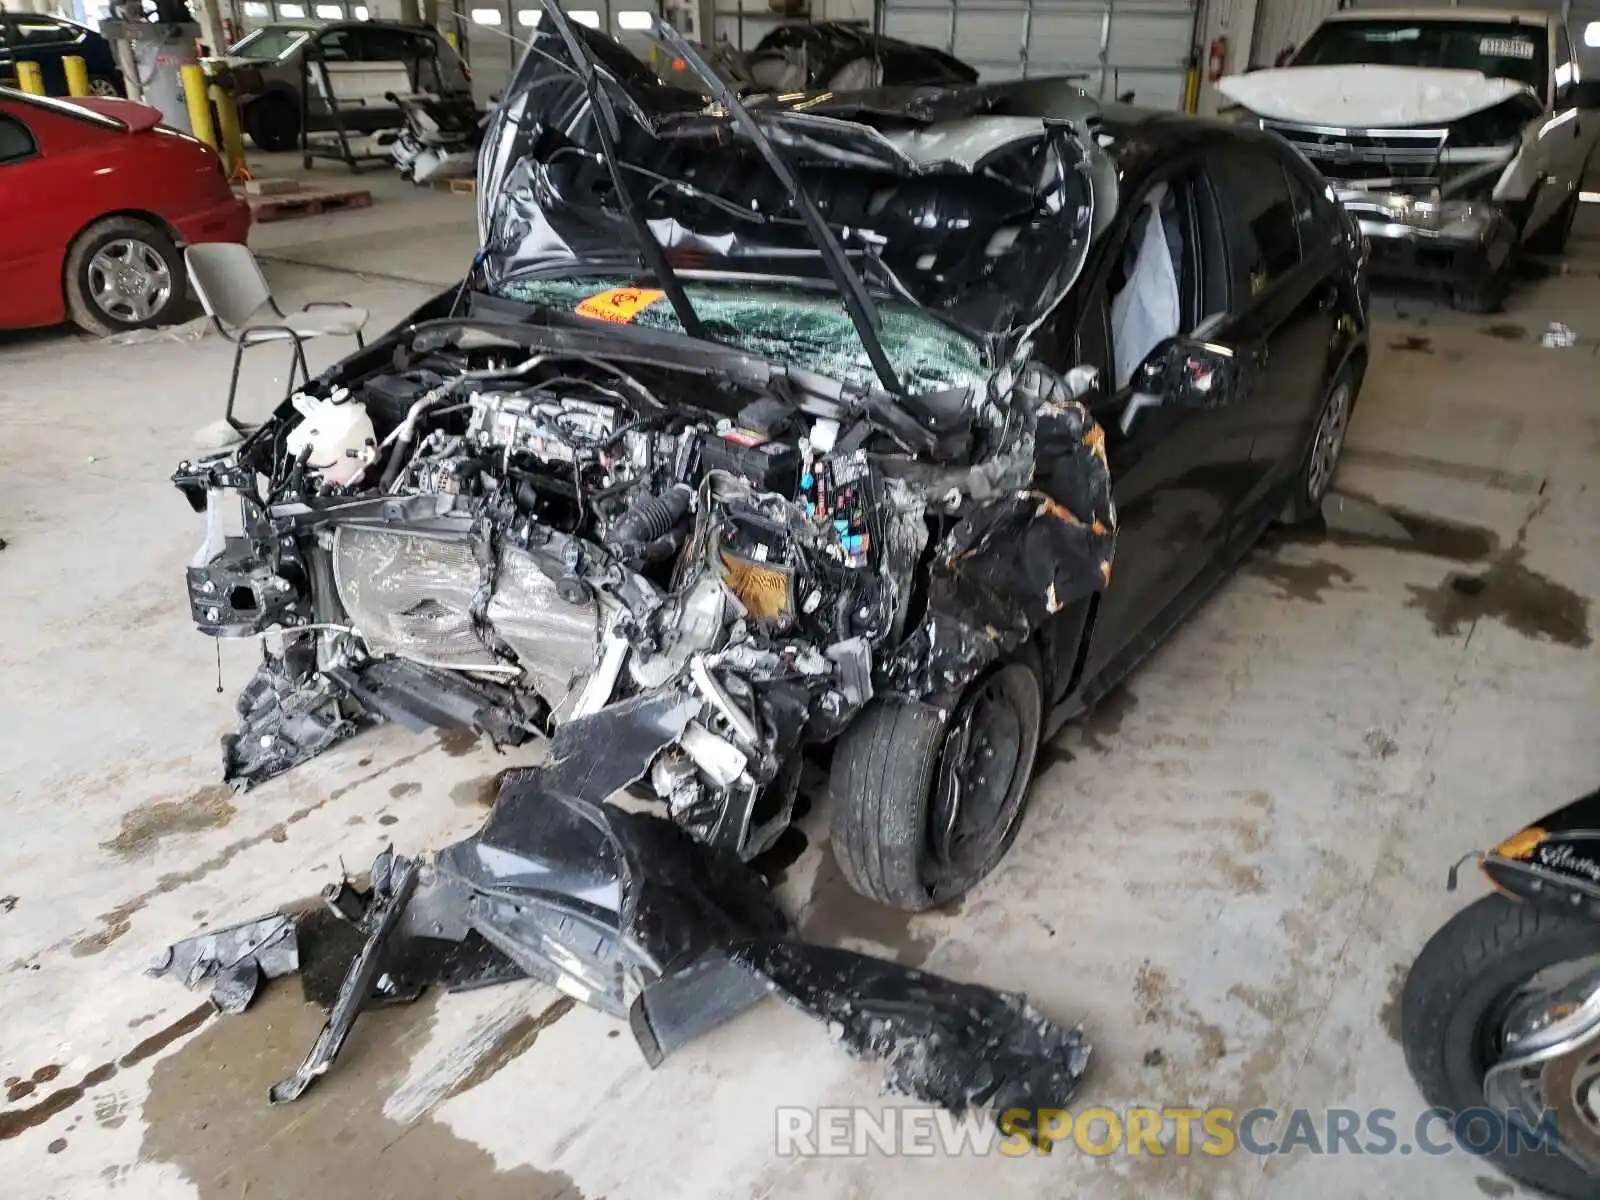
x=103, y=88
x=1329, y=441
x=129, y=280
x=1543, y=1054
x=983, y=772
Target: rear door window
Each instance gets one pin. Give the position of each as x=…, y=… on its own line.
x=338, y=45
x=16, y=141
x=1313, y=214
x=1259, y=215
x=388, y=45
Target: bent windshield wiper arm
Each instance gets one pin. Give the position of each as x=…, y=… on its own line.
x=607, y=128
x=863, y=313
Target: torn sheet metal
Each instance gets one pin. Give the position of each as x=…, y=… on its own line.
x=393, y=881
x=288, y=714
x=957, y=1045
x=625, y=912
x=1008, y=564
x=236, y=960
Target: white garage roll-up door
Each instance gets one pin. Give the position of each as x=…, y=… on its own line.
x=497, y=32
x=1118, y=46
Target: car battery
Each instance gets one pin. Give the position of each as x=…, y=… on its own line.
x=766, y=465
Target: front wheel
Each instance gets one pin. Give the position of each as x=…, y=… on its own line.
x=1557, y=231
x=924, y=807
x=1497, y=971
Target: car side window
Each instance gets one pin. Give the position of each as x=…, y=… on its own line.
x=1259, y=216
x=386, y=45
x=1313, y=214
x=42, y=31
x=16, y=141
x=337, y=46
x=1168, y=276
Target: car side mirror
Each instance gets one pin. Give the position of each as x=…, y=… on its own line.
x=1185, y=372
x=1584, y=93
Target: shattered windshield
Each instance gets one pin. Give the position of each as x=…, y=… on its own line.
x=810, y=330
x=1494, y=48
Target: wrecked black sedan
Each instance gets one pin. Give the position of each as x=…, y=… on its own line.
x=787, y=427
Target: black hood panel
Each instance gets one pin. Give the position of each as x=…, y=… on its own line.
x=982, y=219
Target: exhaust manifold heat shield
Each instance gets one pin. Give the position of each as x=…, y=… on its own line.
x=410, y=594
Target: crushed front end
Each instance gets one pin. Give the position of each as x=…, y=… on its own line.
x=686, y=509
x=1426, y=217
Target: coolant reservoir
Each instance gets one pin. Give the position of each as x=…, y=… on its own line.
x=339, y=433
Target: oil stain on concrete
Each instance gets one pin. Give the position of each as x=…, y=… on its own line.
x=117, y=921
x=1506, y=331
x=145, y=827
x=1104, y=720
x=481, y=792
x=14, y=1122
x=1389, y=1014
x=1413, y=344
x=1352, y=520
x=207, y=1114
x=458, y=743
x=1300, y=581
x=1510, y=592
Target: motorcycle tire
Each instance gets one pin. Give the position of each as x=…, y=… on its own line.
x=1457, y=990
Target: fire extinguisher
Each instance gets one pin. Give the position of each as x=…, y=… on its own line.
x=1217, y=59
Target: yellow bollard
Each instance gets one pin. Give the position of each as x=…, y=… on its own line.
x=29, y=78
x=228, y=127
x=194, y=95
x=77, y=75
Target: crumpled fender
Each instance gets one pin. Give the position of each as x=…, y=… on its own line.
x=1013, y=560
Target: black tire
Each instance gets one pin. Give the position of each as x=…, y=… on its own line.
x=105, y=86
x=1310, y=485
x=881, y=786
x=1458, y=986
x=1557, y=231
x=92, y=314
x=273, y=122
x=1485, y=296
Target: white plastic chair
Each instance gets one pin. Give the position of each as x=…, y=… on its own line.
x=233, y=291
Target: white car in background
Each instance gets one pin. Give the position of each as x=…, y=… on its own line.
x=1455, y=136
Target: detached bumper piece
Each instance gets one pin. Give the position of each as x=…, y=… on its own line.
x=237, y=960
x=627, y=913
x=1462, y=243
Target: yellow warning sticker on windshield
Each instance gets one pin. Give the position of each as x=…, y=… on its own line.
x=618, y=305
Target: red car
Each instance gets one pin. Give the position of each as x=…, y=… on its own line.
x=97, y=199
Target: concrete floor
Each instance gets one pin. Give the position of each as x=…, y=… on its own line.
x=1224, y=873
